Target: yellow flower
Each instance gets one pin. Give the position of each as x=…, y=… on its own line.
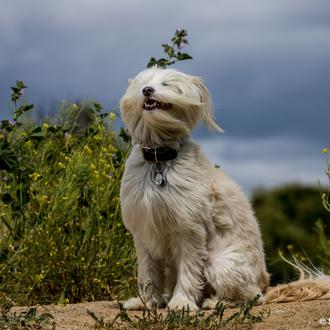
x=45, y=126
x=325, y=150
x=74, y=106
x=111, y=149
x=290, y=247
x=112, y=116
x=34, y=176
x=87, y=149
x=60, y=165
x=40, y=277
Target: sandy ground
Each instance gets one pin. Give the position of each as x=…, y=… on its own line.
x=295, y=315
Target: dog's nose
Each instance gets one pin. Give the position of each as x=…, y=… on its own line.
x=148, y=91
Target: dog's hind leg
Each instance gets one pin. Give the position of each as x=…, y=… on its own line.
x=234, y=279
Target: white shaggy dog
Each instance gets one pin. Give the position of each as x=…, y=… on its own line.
x=195, y=235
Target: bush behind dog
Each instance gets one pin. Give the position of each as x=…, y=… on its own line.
x=62, y=238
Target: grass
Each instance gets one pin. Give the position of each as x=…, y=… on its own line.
x=183, y=319
x=26, y=319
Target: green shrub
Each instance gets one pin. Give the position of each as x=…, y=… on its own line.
x=62, y=238
x=287, y=218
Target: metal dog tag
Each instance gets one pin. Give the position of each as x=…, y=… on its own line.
x=158, y=175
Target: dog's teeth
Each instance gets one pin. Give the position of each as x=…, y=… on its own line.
x=154, y=104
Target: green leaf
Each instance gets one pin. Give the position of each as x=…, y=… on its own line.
x=151, y=62
x=184, y=56
x=6, y=198
x=16, y=91
x=21, y=110
x=98, y=107
x=162, y=63
x=37, y=133
x=8, y=160
x=172, y=51
x=5, y=124
x=124, y=135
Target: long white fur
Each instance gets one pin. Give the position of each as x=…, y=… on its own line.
x=196, y=239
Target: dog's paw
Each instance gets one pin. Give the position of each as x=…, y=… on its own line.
x=182, y=302
x=134, y=304
x=137, y=304
x=210, y=303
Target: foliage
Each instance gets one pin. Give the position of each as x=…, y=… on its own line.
x=26, y=319
x=287, y=218
x=61, y=234
x=173, y=51
x=184, y=319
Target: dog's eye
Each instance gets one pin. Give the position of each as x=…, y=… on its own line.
x=165, y=84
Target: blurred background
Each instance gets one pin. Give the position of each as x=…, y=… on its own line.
x=266, y=63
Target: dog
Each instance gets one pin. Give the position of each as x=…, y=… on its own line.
x=196, y=237
x=195, y=234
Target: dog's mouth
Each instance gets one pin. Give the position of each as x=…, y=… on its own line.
x=152, y=104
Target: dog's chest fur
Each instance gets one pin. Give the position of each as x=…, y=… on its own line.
x=159, y=216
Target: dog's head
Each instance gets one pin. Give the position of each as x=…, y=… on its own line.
x=162, y=106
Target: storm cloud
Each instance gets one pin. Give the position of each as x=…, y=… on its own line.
x=266, y=63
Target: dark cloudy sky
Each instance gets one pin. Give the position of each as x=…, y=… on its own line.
x=266, y=63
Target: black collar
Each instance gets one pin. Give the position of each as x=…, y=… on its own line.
x=158, y=154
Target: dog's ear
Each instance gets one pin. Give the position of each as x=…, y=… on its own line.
x=129, y=81
x=206, y=104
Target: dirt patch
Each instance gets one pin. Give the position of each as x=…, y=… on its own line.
x=295, y=315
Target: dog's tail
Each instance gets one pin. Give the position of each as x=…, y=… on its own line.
x=313, y=284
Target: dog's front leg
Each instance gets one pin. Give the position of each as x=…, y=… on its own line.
x=190, y=257
x=150, y=280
